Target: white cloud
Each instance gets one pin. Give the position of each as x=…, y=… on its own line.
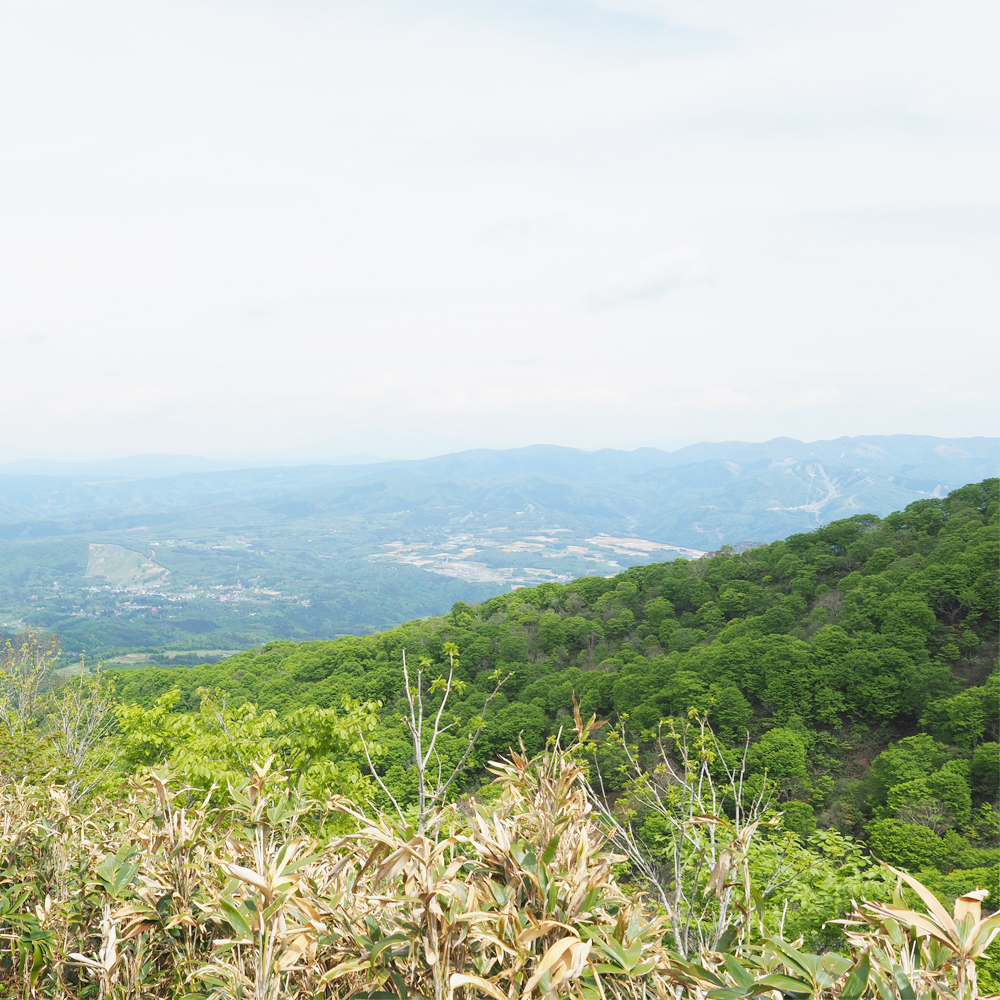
x=396, y=228
x=652, y=277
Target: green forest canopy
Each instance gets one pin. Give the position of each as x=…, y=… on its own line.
x=861, y=659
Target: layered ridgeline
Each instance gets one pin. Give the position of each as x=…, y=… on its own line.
x=171, y=562
x=861, y=658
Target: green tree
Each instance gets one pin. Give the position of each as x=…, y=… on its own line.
x=940, y=801
x=551, y=632
x=985, y=770
x=908, y=845
x=964, y=718
x=781, y=755
x=912, y=757
x=221, y=745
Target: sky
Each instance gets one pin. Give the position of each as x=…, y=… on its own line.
x=300, y=230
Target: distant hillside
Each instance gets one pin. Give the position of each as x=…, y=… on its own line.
x=316, y=551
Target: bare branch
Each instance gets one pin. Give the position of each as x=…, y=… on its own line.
x=440, y=711
x=375, y=775
x=473, y=739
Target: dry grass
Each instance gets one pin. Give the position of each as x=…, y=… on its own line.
x=157, y=895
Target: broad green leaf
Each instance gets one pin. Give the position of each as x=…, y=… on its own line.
x=237, y=919
x=743, y=978
x=835, y=964
x=903, y=985
x=787, y=983
x=550, y=851
x=857, y=980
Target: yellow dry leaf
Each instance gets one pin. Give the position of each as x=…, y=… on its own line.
x=464, y=979
x=552, y=957
x=971, y=902
x=247, y=875
x=942, y=916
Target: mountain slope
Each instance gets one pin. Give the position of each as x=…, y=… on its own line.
x=316, y=551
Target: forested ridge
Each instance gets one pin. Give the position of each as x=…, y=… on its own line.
x=826, y=703
x=860, y=657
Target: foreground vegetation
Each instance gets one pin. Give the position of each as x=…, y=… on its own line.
x=429, y=811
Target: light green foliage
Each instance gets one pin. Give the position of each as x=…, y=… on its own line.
x=799, y=817
x=909, y=845
x=551, y=632
x=814, y=875
x=781, y=754
x=941, y=799
x=53, y=730
x=729, y=711
x=658, y=610
x=985, y=770
x=911, y=758
x=156, y=895
x=220, y=745
x=964, y=718
x=986, y=825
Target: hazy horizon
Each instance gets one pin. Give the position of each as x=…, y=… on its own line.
x=322, y=230
x=235, y=462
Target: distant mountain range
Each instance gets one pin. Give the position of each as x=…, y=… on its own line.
x=701, y=496
x=365, y=546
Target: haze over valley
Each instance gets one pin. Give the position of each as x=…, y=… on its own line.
x=195, y=562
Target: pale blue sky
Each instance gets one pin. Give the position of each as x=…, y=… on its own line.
x=299, y=230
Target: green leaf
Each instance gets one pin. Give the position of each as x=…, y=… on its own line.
x=500, y=893
x=903, y=985
x=387, y=942
x=743, y=978
x=633, y=952
x=116, y=871
x=800, y=961
x=884, y=989
x=837, y=965
x=614, y=950
x=857, y=980
x=694, y=969
x=236, y=919
x=727, y=939
x=550, y=850
x=608, y=970
x=400, y=985
x=787, y=983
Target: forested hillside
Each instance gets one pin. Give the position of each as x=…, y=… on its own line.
x=860, y=658
x=682, y=779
